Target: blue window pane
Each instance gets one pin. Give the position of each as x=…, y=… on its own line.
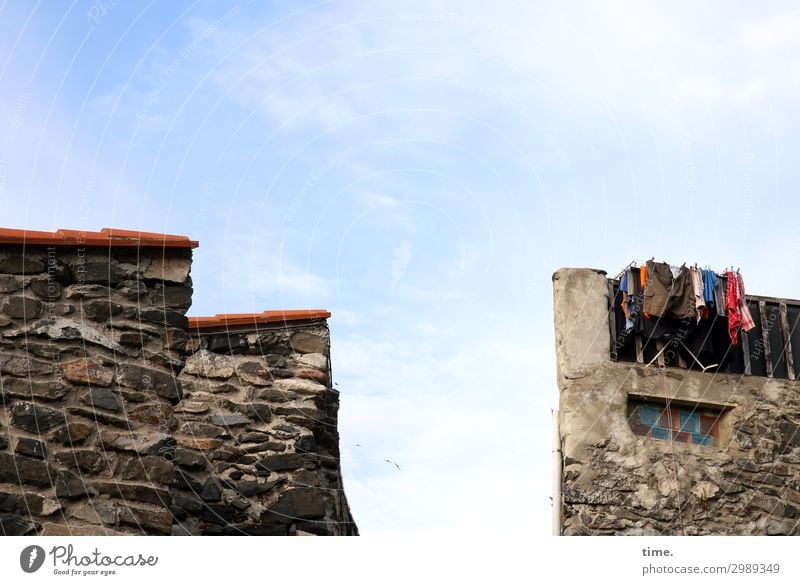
x=690, y=426
x=649, y=415
x=690, y=422
x=660, y=433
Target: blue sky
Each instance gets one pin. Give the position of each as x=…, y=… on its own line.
x=420, y=169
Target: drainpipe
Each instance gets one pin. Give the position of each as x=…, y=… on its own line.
x=556, y=476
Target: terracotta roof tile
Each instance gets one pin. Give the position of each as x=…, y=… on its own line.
x=238, y=319
x=110, y=237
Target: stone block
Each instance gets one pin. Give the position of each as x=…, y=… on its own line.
x=209, y=365
x=147, y=379
x=16, y=526
x=297, y=503
x=45, y=289
x=142, y=442
x=305, y=342
x=21, y=264
x=253, y=372
x=31, y=448
x=88, y=372
x=24, y=366
x=147, y=518
x=150, y=468
x=71, y=486
x=102, y=398
x=300, y=386
x=34, y=389
x=34, y=418
x=157, y=414
x=22, y=307
x=133, y=492
x=84, y=460
x=168, y=269
x=285, y=462
x=72, y=434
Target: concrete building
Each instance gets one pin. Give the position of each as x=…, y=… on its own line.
x=652, y=442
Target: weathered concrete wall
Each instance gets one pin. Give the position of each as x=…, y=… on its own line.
x=615, y=482
x=114, y=420
x=582, y=336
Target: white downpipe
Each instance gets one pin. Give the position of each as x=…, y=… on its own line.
x=556, y=476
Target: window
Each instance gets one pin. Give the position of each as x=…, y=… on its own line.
x=683, y=423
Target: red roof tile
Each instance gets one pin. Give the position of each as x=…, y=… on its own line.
x=110, y=237
x=237, y=319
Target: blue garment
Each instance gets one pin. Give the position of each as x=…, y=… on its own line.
x=709, y=284
x=623, y=287
x=627, y=286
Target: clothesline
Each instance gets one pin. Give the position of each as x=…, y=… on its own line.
x=638, y=263
x=679, y=292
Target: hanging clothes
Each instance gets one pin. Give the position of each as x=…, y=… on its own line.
x=632, y=290
x=747, y=322
x=625, y=288
x=733, y=306
x=709, y=287
x=709, y=340
x=665, y=296
x=642, y=285
x=699, y=295
x=635, y=297
x=699, y=308
x=719, y=296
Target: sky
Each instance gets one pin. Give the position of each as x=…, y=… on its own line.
x=420, y=169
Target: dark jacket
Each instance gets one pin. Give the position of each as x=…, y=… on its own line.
x=665, y=296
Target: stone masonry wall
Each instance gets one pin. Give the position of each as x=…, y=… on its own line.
x=257, y=441
x=114, y=420
x=90, y=346
x=615, y=482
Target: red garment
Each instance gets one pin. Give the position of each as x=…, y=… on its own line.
x=732, y=306
x=747, y=318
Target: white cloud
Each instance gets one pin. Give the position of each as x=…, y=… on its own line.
x=371, y=199
x=260, y=266
x=625, y=57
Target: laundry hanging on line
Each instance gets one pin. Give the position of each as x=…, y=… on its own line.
x=666, y=297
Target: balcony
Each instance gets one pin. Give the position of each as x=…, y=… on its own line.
x=771, y=349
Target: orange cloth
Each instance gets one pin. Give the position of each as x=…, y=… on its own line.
x=643, y=281
x=625, y=309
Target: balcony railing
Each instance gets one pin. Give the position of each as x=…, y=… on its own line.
x=770, y=349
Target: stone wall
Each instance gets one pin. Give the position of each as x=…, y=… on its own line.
x=615, y=482
x=115, y=420
x=90, y=350
x=258, y=448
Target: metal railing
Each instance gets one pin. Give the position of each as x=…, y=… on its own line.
x=770, y=349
